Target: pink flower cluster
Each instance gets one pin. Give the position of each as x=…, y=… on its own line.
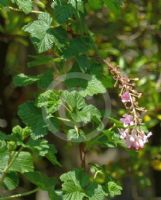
x=131, y=133
x=134, y=138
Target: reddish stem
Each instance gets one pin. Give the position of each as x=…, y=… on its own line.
x=82, y=155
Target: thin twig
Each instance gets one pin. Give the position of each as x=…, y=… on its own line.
x=63, y=119
x=18, y=10
x=20, y=194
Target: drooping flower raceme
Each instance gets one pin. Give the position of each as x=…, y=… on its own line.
x=134, y=138
x=132, y=134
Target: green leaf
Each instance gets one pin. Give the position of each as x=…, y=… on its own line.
x=44, y=42
x=96, y=69
x=11, y=181
x=77, y=4
x=86, y=114
x=76, y=136
x=75, y=82
x=63, y=12
x=3, y=155
x=79, y=110
x=84, y=63
x=25, y=5
x=61, y=38
x=95, y=4
x=116, y=122
x=39, y=146
x=23, y=163
x=90, y=112
x=94, y=87
x=45, y=79
x=109, y=139
x=41, y=180
x=73, y=100
x=114, y=5
x=4, y=136
x=96, y=192
x=19, y=133
x=23, y=80
x=114, y=189
x=77, y=46
x=41, y=34
x=50, y=100
x=107, y=81
x=40, y=60
x=51, y=155
x=73, y=184
x=32, y=117
x=77, y=186
x=44, y=182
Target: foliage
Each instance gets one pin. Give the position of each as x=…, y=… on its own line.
x=71, y=84
x=76, y=185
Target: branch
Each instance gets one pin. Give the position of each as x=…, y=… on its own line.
x=20, y=194
x=82, y=155
x=18, y=10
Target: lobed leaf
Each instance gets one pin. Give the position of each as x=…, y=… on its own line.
x=50, y=100
x=22, y=163
x=11, y=181
x=51, y=155
x=114, y=189
x=94, y=87
x=44, y=182
x=77, y=186
x=33, y=118
x=63, y=12
x=42, y=35
x=73, y=100
x=23, y=80
x=24, y=5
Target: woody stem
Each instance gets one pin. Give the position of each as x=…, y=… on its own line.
x=82, y=155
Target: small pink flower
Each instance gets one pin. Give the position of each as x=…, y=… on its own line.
x=127, y=120
x=125, y=97
x=134, y=139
